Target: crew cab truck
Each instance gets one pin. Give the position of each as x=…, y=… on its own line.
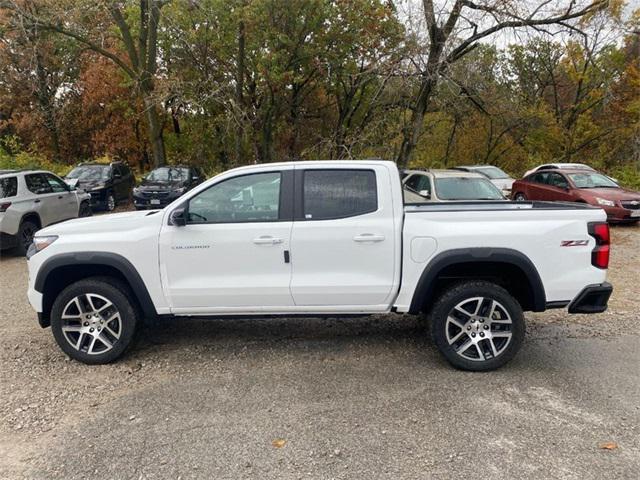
x=320, y=239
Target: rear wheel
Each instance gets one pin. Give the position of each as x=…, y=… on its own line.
x=477, y=326
x=94, y=320
x=26, y=233
x=519, y=197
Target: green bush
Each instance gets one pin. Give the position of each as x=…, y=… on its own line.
x=26, y=160
x=627, y=176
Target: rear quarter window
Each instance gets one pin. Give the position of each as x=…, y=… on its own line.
x=8, y=187
x=331, y=194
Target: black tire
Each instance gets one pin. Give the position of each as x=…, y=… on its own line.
x=25, y=236
x=85, y=210
x=126, y=322
x=110, y=202
x=488, y=325
x=520, y=197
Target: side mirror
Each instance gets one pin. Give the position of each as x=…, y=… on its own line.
x=425, y=193
x=178, y=217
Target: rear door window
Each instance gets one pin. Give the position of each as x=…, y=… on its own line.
x=330, y=194
x=37, y=183
x=8, y=187
x=557, y=180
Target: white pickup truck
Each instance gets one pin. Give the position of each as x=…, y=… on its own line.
x=320, y=239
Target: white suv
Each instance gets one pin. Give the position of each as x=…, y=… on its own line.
x=33, y=199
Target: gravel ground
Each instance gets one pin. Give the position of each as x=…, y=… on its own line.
x=323, y=399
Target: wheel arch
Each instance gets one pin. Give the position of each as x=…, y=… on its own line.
x=31, y=216
x=59, y=271
x=510, y=268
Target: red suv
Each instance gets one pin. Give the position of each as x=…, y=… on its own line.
x=572, y=185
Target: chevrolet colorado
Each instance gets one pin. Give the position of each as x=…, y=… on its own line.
x=320, y=239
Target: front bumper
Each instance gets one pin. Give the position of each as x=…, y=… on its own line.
x=621, y=214
x=153, y=201
x=592, y=299
x=98, y=198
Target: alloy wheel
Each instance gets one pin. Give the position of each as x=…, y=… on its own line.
x=91, y=323
x=111, y=203
x=479, y=329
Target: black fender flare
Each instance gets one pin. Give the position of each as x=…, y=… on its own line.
x=113, y=260
x=426, y=284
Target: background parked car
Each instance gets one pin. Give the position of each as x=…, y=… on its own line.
x=108, y=184
x=33, y=199
x=580, y=185
x=422, y=186
x=163, y=185
x=497, y=176
x=556, y=166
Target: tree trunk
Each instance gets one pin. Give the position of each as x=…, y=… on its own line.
x=411, y=133
x=47, y=107
x=239, y=95
x=155, y=133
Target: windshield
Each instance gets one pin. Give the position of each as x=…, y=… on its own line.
x=461, y=188
x=168, y=174
x=90, y=172
x=592, y=180
x=493, y=173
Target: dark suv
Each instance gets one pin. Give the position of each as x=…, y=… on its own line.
x=108, y=184
x=163, y=185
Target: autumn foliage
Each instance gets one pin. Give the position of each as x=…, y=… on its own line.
x=238, y=82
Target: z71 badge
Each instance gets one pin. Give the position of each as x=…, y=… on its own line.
x=574, y=243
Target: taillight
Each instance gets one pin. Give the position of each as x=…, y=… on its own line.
x=4, y=206
x=600, y=253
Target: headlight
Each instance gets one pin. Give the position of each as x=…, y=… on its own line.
x=605, y=202
x=43, y=242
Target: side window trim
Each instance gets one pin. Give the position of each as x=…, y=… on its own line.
x=285, y=206
x=298, y=214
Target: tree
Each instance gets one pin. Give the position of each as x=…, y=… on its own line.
x=453, y=32
x=85, y=22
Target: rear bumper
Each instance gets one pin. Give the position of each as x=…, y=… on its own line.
x=592, y=299
x=7, y=241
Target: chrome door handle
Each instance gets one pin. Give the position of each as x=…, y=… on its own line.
x=368, y=237
x=267, y=240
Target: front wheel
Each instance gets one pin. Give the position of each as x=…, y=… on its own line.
x=94, y=320
x=110, y=204
x=520, y=197
x=477, y=326
x=85, y=210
